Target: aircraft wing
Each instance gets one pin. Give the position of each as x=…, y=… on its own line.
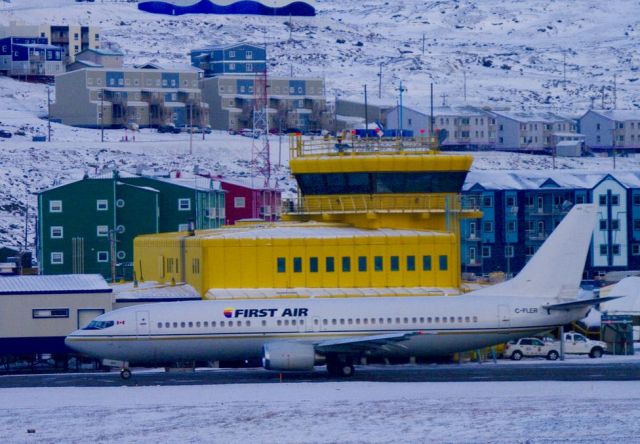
x=580, y=303
x=363, y=344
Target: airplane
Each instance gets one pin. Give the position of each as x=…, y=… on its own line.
x=297, y=334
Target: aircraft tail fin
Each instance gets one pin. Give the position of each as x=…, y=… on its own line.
x=555, y=270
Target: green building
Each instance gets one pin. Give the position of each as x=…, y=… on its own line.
x=88, y=226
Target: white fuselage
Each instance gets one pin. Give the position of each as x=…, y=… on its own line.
x=238, y=329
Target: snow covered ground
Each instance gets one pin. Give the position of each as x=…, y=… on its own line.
x=512, y=53
x=346, y=412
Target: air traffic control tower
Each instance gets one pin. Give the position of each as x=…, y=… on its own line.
x=371, y=218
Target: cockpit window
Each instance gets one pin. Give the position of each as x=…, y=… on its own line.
x=99, y=325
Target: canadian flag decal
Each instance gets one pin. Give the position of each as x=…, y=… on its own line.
x=120, y=323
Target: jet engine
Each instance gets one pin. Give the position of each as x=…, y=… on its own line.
x=287, y=356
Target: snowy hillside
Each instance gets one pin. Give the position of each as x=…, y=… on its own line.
x=512, y=53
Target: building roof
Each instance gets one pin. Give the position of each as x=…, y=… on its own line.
x=306, y=230
x=227, y=46
x=59, y=284
x=525, y=117
x=103, y=52
x=154, y=292
x=87, y=64
x=534, y=179
x=38, y=46
x=619, y=115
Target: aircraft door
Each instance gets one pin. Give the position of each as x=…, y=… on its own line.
x=142, y=322
x=504, y=317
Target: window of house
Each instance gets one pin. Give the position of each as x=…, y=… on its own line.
x=636, y=224
x=579, y=199
x=603, y=224
x=602, y=200
x=297, y=265
x=487, y=226
x=57, y=258
x=603, y=249
x=487, y=201
x=238, y=202
x=635, y=249
x=102, y=230
x=103, y=256
x=530, y=250
x=57, y=232
x=486, y=251
x=102, y=205
x=615, y=224
x=615, y=200
x=615, y=249
x=184, y=204
x=511, y=201
x=511, y=226
x=636, y=199
x=329, y=264
x=55, y=206
x=346, y=264
x=362, y=263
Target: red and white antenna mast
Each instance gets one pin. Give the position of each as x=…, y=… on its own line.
x=260, y=150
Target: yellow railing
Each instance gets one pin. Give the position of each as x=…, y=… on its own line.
x=377, y=203
x=354, y=145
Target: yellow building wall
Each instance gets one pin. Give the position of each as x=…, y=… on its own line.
x=252, y=263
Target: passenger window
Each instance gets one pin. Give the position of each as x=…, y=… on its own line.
x=466, y=319
x=358, y=321
x=183, y=324
x=221, y=323
x=459, y=318
x=334, y=322
x=279, y=322
x=167, y=324
x=159, y=324
x=293, y=322
x=452, y=319
x=190, y=324
x=475, y=319
x=315, y=322
x=286, y=322
x=206, y=324
x=213, y=323
x=444, y=319
x=365, y=321
x=301, y=321
x=381, y=321
x=350, y=321
x=373, y=320
x=389, y=321
x=247, y=323
x=437, y=319
x=238, y=324
x=429, y=320
x=198, y=324
x=175, y=325
x=341, y=321
x=406, y=320
x=264, y=323
x=422, y=320
x=414, y=320
x=397, y=320
x=325, y=322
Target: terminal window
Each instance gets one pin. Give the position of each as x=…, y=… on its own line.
x=346, y=264
x=297, y=265
x=426, y=263
x=313, y=264
x=43, y=313
x=395, y=263
x=362, y=263
x=329, y=265
x=443, y=263
x=411, y=263
x=282, y=265
x=377, y=263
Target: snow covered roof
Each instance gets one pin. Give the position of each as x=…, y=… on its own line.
x=525, y=117
x=306, y=230
x=153, y=291
x=534, y=179
x=103, y=52
x=619, y=115
x=59, y=284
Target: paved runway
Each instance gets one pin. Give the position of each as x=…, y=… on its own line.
x=577, y=370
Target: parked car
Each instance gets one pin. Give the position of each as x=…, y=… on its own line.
x=5, y=134
x=248, y=132
x=168, y=129
x=577, y=344
x=531, y=347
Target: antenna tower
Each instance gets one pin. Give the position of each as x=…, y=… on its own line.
x=260, y=150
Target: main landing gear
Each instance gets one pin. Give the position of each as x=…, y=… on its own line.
x=340, y=366
x=125, y=373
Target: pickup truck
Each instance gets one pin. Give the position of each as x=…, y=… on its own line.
x=577, y=344
x=533, y=347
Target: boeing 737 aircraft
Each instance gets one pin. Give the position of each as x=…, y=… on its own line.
x=296, y=334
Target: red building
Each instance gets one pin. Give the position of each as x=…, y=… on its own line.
x=245, y=202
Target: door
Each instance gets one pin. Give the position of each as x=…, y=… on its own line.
x=86, y=315
x=142, y=322
x=472, y=230
x=504, y=319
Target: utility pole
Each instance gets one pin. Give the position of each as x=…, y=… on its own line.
x=380, y=82
x=49, y=113
x=431, y=117
x=615, y=91
x=602, y=98
x=290, y=27
x=402, y=90
x=191, y=128
x=444, y=99
x=102, y=115
x=464, y=84
x=366, y=113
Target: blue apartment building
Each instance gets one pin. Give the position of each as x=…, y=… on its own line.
x=521, y=209
x=240, y=58
x=30, y=57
